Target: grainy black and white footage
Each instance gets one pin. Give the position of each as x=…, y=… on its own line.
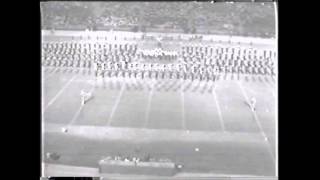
x=159, y=89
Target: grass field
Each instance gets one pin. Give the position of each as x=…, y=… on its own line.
x=163, y=118
x=169, y=106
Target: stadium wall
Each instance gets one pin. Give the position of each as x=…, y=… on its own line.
x=125, y=34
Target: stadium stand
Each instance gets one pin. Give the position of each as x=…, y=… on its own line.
x=197, y=17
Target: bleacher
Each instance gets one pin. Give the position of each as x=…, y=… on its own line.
x=184, y=17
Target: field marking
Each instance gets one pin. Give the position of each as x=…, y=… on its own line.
x=256, y=120
x=116, y=104
x=148, y=106
x=76, y=115
x=59, y=93
x=218, y=108
x=254, y=113
x=183, y=108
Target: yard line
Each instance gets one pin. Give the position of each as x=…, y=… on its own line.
x=218, y=108
x=247, y=100
x=59, y=93
x=148, y=106
x=116, y=104
x=256, y=120
x=76, y=115
x=183, y=109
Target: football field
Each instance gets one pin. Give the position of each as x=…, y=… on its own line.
x=166, y=118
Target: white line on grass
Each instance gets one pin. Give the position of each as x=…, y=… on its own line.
x=59, y=93
x=183, y=109
x=116, y=105
x=218, y=108
x=254, y=113
x=75, y=116
x=256, y=119
x=148, y=106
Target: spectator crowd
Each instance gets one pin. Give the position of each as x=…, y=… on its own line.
x=243, y=19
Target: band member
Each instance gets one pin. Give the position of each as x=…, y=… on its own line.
x=85, y=96
x=253, y=103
